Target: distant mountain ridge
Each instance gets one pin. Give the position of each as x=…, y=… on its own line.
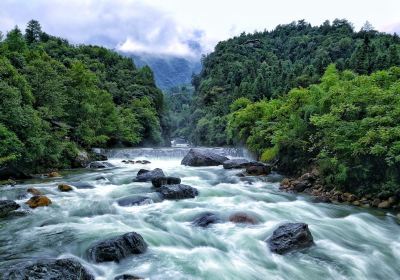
x=169, y=71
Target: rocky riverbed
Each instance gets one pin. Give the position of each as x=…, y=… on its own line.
x=152, y=217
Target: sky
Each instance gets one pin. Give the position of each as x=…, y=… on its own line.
x=186, y=28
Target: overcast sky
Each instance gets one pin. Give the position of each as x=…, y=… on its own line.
x=184, y=27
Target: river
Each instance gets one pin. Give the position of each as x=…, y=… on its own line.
x=350, y=243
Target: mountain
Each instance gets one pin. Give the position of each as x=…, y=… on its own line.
x=169, y=71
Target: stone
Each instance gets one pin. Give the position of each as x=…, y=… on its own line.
x=7, y=206
x=81, y=159
x=64, y=188
x=117, y=248
x=51, y=269
x=300, y=186
x=38, y=201
x=202, y=157
x=100, y=165
x=205, y=219
x=356, y=203
x=375, y=202
x=127, y=277
x=134, y=200
x=53, y=174
x=178, y=191
x=235, y=163
x=166, y=180
x=384, y=204
x=289, y=237
x=258, y=169
x=7, y=172
x=145, y=176
x=242, y=218
x=34, y=191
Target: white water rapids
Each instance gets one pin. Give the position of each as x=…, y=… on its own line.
x=350, y=243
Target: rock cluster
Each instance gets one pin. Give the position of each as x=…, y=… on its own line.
x=310, y=183
x=7, y=206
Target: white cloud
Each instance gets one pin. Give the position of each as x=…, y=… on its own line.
x=184, y=28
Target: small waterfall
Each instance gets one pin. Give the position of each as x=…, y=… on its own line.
x=175, y=152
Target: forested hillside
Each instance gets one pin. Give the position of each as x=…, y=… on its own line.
x=347, y=127
x=266, y=65
x=57, y=98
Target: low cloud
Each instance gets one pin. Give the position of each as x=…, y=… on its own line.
x=129, y=26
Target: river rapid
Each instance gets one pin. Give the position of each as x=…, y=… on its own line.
x=350, y=243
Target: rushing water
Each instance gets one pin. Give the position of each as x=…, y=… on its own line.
x=349, y=243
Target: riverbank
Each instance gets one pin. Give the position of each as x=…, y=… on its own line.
x=310, y=183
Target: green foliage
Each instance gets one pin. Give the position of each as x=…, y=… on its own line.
x=266, y=65
x=347, y=126
x=56, y=97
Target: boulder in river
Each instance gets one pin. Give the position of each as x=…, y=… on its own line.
x=178, y=191
x=289, y=237
x=242, y=218
x=117, y=248
x=64, y=188
x=34, y=191
x=165, y=180
x=47, y=270
x=133, y=200
x=142, y=161
x=146, y=175
x=53, y=174
x=206, y=219
x=257, y=169
x=100, y=165
x=127, y=277
x=236, y=163
x=38, y=201
x=7, y=206
x=201, y=157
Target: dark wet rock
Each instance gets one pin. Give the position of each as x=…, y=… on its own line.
x=34, y=191
x=134, y=200
x=64, y=188
x=100, y=165
x=82, y=185
x=145, y=175
x=99, y=178
x=289, y=237
x=236, y=163
x=241, y=175
x=142, y=161
x=117, y=248
x=178, y=191
x=127, y=277
x=206, y=219
x=142, y=171
x=257, y=169
x=321, y=199
x=81, y=159
x=243, y=218
x=8, y=172
x=300, y=186
x=68, y=269
x=200, y=157
x=53, y=174
x=98, y=157
x=7, y=206
x=165, y=180
x=38, y=201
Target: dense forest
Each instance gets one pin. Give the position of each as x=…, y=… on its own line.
x=58, y=98
x=347, y=127
x=269, y=64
